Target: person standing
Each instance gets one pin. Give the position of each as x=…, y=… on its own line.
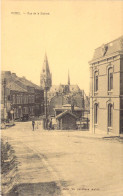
x=33, y=125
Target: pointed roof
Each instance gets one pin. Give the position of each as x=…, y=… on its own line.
x=45, y=69
x=15, y=87
x=108, y=49
x=64, y=113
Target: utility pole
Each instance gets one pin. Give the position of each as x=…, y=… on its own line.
x=4, y=87
x=45, y=107
x=4, y=97
x=46, y=115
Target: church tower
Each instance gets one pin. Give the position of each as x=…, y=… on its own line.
x=45, y=77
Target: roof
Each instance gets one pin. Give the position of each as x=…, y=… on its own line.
x=45, y=69
x=68, y=107
x=74, y=88
x=18, y=83
x=62, y=87
x=56, y=88
x=29, y=83
x=15, y=87
x=64, y=113
x=108, y=49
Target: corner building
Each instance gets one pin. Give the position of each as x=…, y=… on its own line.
x=106, y=88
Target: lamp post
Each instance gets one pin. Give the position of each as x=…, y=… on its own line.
x=12, y=113
x=46, y=116
x=4, y=98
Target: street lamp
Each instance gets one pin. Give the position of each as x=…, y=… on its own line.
x=4, y=98
x=46, y=117
x=12, y=113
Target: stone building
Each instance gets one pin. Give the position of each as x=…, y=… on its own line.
x=106, y=89
x=20, y=97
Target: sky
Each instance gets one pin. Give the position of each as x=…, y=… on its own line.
x=68, y=32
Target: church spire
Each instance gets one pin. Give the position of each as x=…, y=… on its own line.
x=45, y=78
x=68, y=78
x=46, y=65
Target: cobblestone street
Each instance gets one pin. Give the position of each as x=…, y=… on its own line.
x=65, y=163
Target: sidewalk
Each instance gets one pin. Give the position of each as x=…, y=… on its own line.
x=100, y=135
x=7, y=125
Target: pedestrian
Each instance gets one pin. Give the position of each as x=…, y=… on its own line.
x=33, y=125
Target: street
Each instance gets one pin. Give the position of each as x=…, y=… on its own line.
x=54, y=163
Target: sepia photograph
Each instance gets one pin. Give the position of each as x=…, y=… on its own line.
x=61, y=115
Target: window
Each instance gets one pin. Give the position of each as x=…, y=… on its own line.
x=29, y=99
x=95, y=113
x=33, y=98
x=110, y=79
x=96, y=81
x=13, y=99
x=21, y=99
x=110, y=115
x=26, y=98
x=17, y=99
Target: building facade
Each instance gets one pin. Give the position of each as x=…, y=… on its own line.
x=106, y=88
x=20, y=97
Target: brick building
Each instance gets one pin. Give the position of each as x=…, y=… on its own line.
x=106, y=89
x=20, y=97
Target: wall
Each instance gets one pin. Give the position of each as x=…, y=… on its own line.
x=103, y=97
x=68, y=122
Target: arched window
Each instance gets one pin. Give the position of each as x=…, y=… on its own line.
x=110, y=79
x=96, y=81
x=95, y=113
x=110, y=115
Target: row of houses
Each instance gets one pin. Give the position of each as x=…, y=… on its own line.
x=20, y=97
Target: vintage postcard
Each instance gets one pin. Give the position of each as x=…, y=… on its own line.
x=61, y=98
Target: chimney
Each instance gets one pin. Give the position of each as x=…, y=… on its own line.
x=14, y=74
x=6, y=73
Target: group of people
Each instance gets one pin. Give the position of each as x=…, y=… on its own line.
x=49, y=123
